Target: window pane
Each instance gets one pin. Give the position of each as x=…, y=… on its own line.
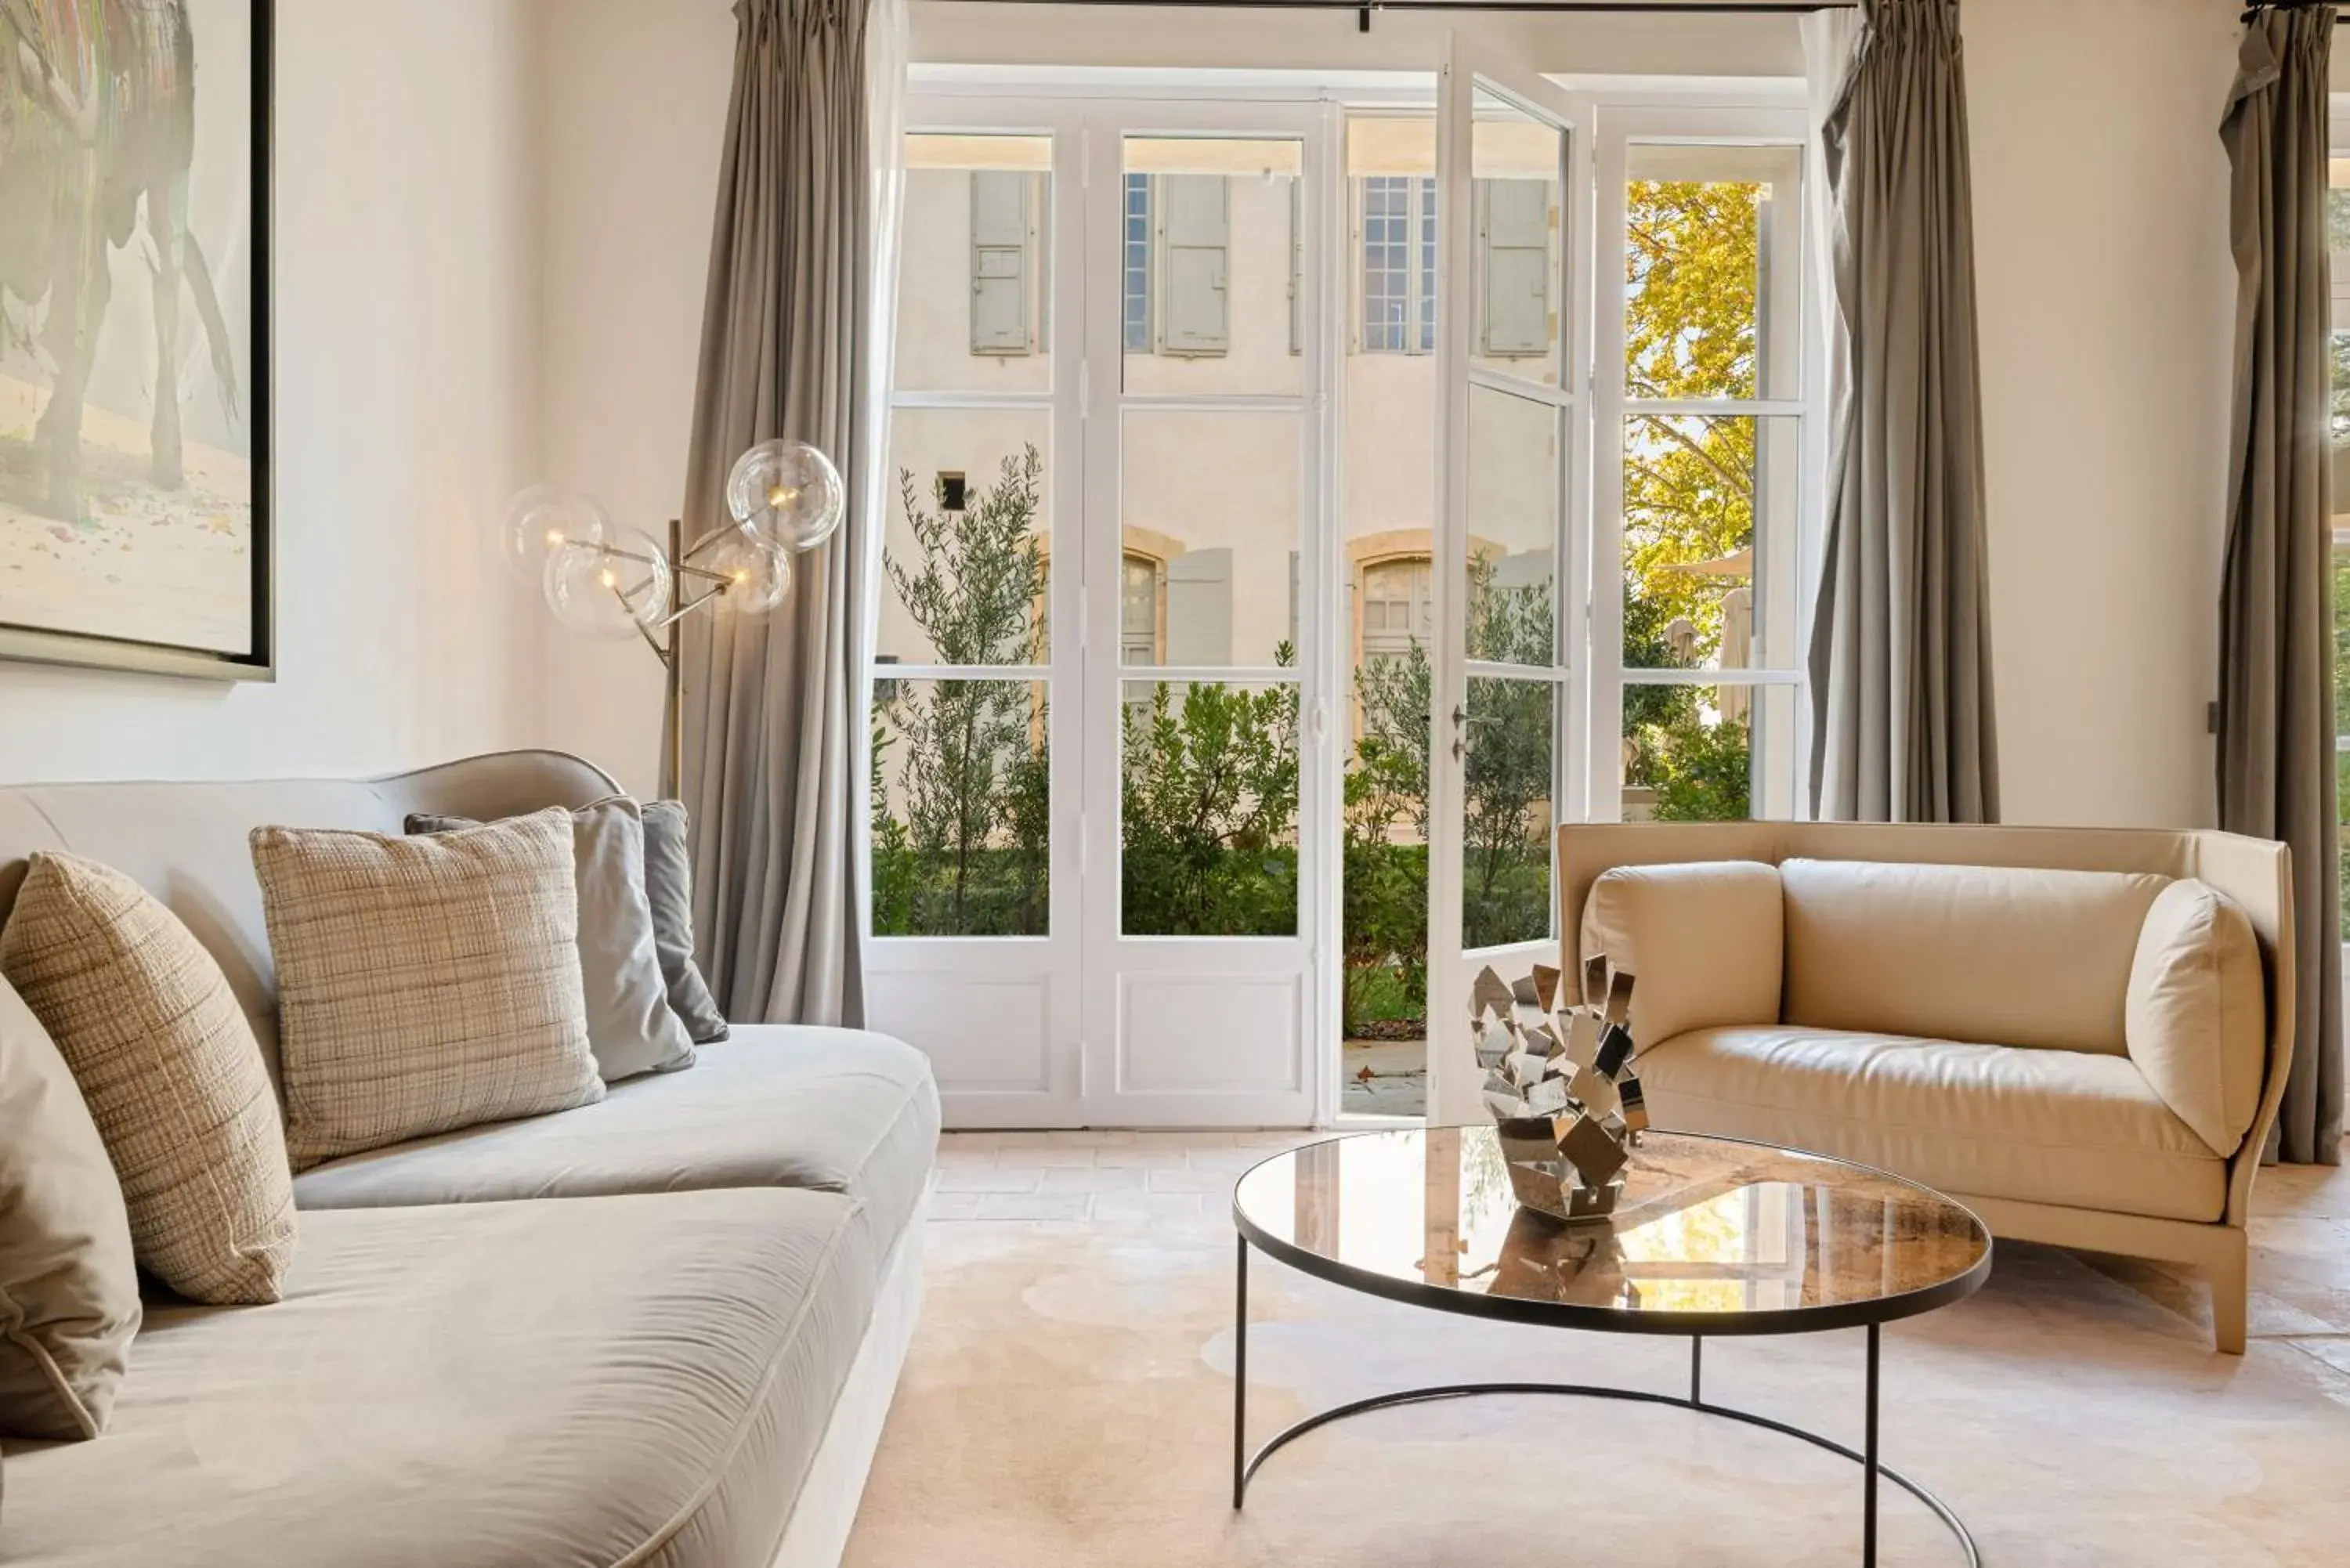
x=1514, y=528
x=1219, y=260
x=1710, y=571
x=1213, y=500
x=1383, y=906
x=1708, y=754
x=968, y=585
x=1209, y=811
x=961, y=800
x=1712, y=258
x=974, y=264
x=1517, y=282
x=1137, y=263
x=1508, y=769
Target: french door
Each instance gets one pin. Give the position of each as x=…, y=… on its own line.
x=1510, y=690
x=1097, y=807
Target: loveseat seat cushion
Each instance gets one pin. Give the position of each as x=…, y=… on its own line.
x=2020, y=956
x=841, y=1110
x=2072, y=1127
x=636, y=1379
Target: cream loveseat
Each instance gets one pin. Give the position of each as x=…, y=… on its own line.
x=661, y=1330
x=1957, y=1004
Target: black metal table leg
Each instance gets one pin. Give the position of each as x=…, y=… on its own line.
x=1868, y=1466
x=1240, y=1376
x=1696, y=1370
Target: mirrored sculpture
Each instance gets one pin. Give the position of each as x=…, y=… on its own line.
x=1559, y=1084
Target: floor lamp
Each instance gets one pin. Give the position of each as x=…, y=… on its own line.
x=602, y=580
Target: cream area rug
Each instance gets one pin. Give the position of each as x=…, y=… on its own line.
x=1068, y=1401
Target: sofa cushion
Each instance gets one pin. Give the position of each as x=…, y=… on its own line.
x=1701, y=938
x=1963, y=952
x=169, y=1070
x=631, y=1379
x=776, y=1106
x=2072, y=1127
x=68, y=1289
x=2197, y=1014
x=630, y=1027
x=425, y=984
x=668, y=888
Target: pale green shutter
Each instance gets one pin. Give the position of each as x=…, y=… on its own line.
x=1001, y=222
x=1514, y=233
x=1195, y=221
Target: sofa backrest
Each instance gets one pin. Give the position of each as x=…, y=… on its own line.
x=185, y=843
x=2012, y=955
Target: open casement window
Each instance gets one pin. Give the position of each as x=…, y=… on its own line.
x=1195, y=236
x=1514, y=223
x=1003, y=252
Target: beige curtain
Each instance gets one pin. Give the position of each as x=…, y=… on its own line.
x=2276, y=753
x=1902, y=724
x=770, y=706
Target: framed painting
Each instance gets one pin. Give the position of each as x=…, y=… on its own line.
x=134, y=335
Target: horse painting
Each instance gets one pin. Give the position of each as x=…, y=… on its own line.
x=97, y=134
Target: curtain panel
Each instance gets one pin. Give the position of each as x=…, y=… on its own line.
x=2276, y=753
x=1902, y=722
x=793, y=319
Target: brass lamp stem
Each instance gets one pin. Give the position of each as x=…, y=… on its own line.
x=675, y=712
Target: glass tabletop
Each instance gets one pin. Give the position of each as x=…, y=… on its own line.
x=1711, y=1235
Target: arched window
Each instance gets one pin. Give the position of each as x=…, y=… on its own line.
x=1396, y=608
x=1141, y=590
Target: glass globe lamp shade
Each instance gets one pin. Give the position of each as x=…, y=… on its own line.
x=787, y=492
x=614, y=587
x=540, y=520
x=757, y=572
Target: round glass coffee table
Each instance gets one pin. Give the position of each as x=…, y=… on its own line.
x=1712, y=1237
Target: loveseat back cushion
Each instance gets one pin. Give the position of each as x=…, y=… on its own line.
x=1702, y=939
x=2197, y=1011
x=2003, y=955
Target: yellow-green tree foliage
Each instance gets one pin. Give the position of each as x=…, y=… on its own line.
x=1689, y=332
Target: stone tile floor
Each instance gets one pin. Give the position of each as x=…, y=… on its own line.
x=2301, y=1226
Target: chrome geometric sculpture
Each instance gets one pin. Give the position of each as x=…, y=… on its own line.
x=1564, y=1098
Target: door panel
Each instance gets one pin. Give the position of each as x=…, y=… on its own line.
x=1204, y=824
x=1509, y=589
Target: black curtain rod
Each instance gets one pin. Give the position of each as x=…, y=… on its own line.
x=1562, y=7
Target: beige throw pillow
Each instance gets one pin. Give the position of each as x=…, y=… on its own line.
x=1701, y=938
x=424, y=984
x=2197, y=1014
x=68, y=1289
x=170, y=1071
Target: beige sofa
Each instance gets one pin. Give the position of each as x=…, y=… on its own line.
x=1859, y=991
x=659, y=1330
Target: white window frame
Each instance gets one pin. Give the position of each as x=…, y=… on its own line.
x=1648, y=119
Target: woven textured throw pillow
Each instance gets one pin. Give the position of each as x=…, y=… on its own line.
x=425, y=984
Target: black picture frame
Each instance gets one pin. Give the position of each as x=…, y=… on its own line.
x=258, y=661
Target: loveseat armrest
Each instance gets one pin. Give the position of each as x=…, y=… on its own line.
x=1706, y=940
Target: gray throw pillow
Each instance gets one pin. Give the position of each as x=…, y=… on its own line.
x=630, y=1028
x=68, y=1289
x=669, y=885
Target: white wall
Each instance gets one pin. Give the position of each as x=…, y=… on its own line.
x=2107, y=296
x=632, y=123
x=405, y=393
